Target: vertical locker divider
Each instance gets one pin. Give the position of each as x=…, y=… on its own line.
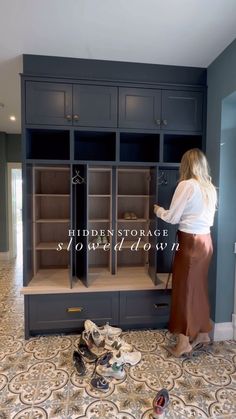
x=80, y=217
x=71, y=224
x=114, y=223
x=152, y=268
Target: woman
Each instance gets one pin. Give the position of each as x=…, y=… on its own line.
x=193, y=208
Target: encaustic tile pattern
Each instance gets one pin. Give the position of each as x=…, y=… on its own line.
x=38, y=380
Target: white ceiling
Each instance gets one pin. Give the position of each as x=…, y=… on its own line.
x=178, y=32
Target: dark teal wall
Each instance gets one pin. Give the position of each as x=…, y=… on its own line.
x=222, y=83
x=13, y=148
x=10, y=151
x=3, y=194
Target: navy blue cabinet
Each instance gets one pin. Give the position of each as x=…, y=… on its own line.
x=182, y=110
x=94, y=106
x=48, y=103
x=102, y=142
x=139, y=108
x=170, y=110
x=71, y=104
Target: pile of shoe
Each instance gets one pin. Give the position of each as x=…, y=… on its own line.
x=111, y=363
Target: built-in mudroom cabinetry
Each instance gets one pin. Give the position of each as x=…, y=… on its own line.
x=102, y=143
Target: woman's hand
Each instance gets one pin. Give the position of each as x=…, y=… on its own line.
x=156, y=208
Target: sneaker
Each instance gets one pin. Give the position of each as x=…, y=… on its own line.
x=160, y=403
x=117, y=344
x=84, y=350
x=131, y=358
x=93, y=332
x=114, y=370
x=79, y=363
x=97, y=240
x=111, y=331
x=105, y=358
x=104, y=240
x=105, y=330
x=100, y=383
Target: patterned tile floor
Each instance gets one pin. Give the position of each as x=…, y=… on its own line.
x=38, y=381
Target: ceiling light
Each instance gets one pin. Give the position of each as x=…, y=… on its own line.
x=12, y=118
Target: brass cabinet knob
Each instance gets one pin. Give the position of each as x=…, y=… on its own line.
x=164, y=122
x=76, y=117
x=69, y=117
x=74, y=309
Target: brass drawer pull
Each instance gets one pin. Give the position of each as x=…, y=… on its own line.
x=161, y=305
x=74, y=309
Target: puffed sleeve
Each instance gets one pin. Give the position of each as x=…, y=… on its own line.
x=181, y=195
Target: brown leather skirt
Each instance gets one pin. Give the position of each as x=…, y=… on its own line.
x=190, y=312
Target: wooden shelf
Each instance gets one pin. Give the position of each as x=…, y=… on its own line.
x=50, y=168
x=127, y=244
x=99, y=196
x=56, y=281
x=136, y=220
x=133, y=196
x=62, y=195
x=52, y=220
x=50, y=246
x=99, y=220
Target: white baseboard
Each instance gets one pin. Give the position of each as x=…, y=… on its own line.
x=4, y=255
x=223, y=331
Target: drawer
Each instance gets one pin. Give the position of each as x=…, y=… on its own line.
x=67, y=312
x=145, y=308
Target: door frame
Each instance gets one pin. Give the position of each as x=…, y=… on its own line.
x=10, y=166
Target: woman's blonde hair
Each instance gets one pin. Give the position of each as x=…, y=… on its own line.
x=194, y=165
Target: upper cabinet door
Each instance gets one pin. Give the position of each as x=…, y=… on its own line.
x=182, y=110
x=94, y=106
x=48, y=103
x=139, y=108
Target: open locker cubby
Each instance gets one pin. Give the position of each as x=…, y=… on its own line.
x=95, y=146
x=176, y=145
x=51, y=216
x=52, y=259
x=133, y=186
x=100, y=214
x=139, y=147
x=48, y=144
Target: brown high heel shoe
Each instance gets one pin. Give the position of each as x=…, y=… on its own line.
x=201, y=339
x=183, y=346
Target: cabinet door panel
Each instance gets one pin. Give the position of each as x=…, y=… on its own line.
x=144, y=308
x=67, y=312
x=139, y=108
x=94, y=106
x=152, y=260
x=167, y=182
x=80, y=222
x=182, y=110
x=48, y=103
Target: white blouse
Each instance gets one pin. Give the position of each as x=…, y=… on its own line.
x=188, y=209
